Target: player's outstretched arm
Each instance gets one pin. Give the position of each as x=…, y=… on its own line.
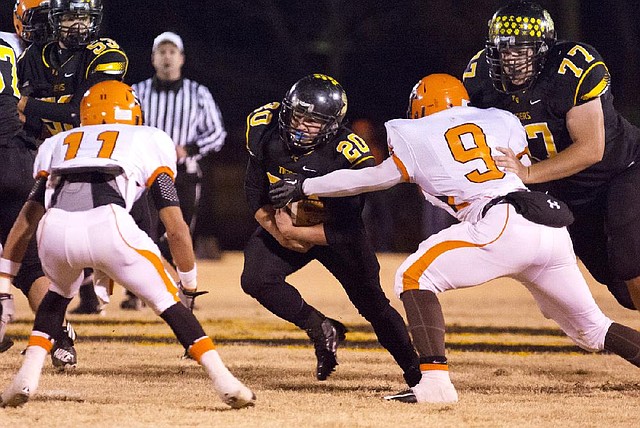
x=180, y=243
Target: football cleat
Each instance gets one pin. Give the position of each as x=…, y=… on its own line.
x=15, y=396
x=243, y=397
x=132, y=303
x=85, y=308
x=326, y=339
x=233, y=392
x=406, y=396
x=63, y=354
x=5, y=344
x=439, y=391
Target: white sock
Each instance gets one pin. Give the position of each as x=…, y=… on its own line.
x=435, y=375
x=229, y=389
x=29, y=373
x=435, y=387
x=217, y=371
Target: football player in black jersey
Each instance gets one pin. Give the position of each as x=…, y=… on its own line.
x=587, y=154
x=54, y=76
x=304, y=134
x=17, y=153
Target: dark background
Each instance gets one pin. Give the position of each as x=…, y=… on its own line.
x=249, y=52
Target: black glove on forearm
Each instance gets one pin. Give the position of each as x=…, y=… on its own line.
x=286, y=190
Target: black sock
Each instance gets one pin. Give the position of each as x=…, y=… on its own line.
x=623, y=341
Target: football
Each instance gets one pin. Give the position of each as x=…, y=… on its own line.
x=307, y=212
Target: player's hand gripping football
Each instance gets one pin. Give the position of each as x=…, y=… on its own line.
x=7, y=312
x=286, y=190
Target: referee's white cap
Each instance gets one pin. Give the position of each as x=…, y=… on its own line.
x=170, y=37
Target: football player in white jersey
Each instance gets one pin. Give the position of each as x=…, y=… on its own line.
x=447, y=149
x=87, y=179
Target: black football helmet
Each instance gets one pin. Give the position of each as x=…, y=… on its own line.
x=520, y=36
x=318, y=100
x=78, y=34
x=31, y=20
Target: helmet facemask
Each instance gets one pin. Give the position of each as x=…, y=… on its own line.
x=75, y=24
x=514, y=66
x=302, y=128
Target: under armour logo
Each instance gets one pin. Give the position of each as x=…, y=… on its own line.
x=553, y=204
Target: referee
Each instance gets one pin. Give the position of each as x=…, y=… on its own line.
x=186, y=111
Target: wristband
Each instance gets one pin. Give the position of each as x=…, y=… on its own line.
x=5, y=284
x=9, y=267
x=189, y=279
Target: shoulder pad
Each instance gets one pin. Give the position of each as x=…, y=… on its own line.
x=354, y=148
x=581, y=70
x=258, y=122
x=107, y=57
x=471, y=71
x=477, y=82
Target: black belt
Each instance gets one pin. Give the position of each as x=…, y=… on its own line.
x=493, y=202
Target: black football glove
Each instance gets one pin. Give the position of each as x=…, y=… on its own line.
x=286, y=190
x=188, y=297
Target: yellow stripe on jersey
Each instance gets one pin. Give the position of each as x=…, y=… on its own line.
x=361, y=160
x=411, y=277
x=272, y=178
x=598, y=89
x=111, y=66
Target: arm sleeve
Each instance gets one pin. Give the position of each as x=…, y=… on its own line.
x=255, y=185
x=38, y=190
x=163, y=192
x=347, y=182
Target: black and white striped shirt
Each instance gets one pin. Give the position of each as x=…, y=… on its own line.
x=186, y=111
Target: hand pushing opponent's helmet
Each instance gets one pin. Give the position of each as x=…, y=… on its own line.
x=520, y=35
x=434, y=93
x=312, y=112
x=110, y=101
x=87, y=15
x=31, y=20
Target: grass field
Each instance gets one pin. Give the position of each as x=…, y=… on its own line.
x=511, y=366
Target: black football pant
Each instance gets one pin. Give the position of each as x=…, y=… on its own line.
x=606, y=234
x=355, y=266
x=16, y=181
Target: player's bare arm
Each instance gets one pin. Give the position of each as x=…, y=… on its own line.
x=22, y=231
x=585, y=124
x=265, y=216
x=179, y=238
x=308, y=234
